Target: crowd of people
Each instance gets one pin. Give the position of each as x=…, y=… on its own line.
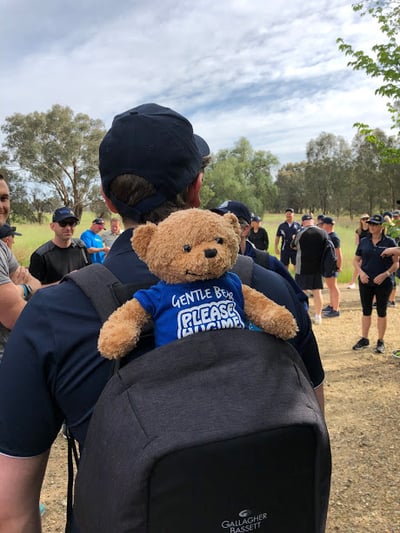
x=51, y=371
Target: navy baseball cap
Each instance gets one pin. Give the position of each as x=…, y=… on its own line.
x=376, y=219
x=320, y=217
x=289, y=209
x=237, y=208
x=256, y=218
x=306, y=217
x=328, y=220
x=7, y=231
x=157, y=144
x=63, y=213
x=388, y=214
x=99, y=221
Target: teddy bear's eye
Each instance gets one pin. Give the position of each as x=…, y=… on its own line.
x=187, y=248
x=219, y=240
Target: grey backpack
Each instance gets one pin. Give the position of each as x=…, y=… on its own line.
x=217, y=432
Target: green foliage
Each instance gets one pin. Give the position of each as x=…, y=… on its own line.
x=58, y=149
x=290, y=183
x=240, y=173
x=383, y=62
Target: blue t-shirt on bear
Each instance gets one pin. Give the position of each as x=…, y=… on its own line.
x=180, y=309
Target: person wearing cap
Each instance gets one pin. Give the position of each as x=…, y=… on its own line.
x=258, y=235
x=309, y=244
x=93, y=241
x=285, y=233
x=333, y=309
x=320, y=220
x=261, y=257
x=151, y=164
x=62, y=254
x=7, y=234
x=17, y=285
x=375, y=271
x=361, y=232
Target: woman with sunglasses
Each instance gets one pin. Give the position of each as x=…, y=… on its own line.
x=374, y=280
x=361, y=231
x=63, y=254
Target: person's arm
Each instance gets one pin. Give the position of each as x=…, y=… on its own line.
x=93, y=250
x=395, y=251
x=339, y=256
x=357, y=263
x=12, y=303
x=277, y=244
x=380, y=278
x=266, y=242
x=21, y=481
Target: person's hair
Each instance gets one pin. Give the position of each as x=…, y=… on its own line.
x=360, y=227
x=131, y=189
x=2, y=177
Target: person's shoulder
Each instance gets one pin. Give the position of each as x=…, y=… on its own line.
x=389, y=241
x=44, y=248
x=75, y=242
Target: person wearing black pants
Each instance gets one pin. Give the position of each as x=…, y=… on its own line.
x=374, y=279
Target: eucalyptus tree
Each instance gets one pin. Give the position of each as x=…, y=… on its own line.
x=58, y=149
x=241, y=173
x=291, y=185
x=327, y=172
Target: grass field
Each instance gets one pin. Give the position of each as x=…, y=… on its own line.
x=33, y=235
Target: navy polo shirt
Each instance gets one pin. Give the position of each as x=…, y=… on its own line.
x=372, y=262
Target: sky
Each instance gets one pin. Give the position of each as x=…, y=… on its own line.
x=267, y=70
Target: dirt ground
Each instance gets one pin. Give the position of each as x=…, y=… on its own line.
x=362, y=397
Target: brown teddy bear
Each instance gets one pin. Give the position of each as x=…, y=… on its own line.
x=191, y=252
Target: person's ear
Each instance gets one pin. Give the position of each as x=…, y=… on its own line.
x=108, y=202
x=193, y=193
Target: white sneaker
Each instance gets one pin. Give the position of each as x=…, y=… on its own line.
x=351, y=286
x=317, y=319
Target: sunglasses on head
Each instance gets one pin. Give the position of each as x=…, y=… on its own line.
x=364, y=218
x=65, y=223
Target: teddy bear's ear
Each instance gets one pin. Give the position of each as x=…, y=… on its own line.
x=234, y=222
x=141, y=238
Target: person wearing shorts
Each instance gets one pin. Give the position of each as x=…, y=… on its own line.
x=286, y=232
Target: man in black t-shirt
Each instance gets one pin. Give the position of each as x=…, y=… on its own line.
x=63, y=254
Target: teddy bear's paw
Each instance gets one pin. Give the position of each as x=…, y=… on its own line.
x=281, y=323
x=115, y=343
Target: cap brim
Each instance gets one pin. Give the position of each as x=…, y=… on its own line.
x=202, y=146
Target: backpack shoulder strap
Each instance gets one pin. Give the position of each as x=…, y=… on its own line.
x=244, y=269
x=98, y=283
x=262, y=258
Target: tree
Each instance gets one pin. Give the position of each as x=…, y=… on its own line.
x=240, y=173
x=327, y=172
x=382, y=62
x=290, y=182
x=59, y=149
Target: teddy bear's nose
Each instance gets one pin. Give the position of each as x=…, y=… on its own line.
x=210, y=252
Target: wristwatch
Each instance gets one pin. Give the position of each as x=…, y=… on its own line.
x=28, y=291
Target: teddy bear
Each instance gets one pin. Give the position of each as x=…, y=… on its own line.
x=191, y=252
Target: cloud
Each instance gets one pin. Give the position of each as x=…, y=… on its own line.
x=269, y=71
